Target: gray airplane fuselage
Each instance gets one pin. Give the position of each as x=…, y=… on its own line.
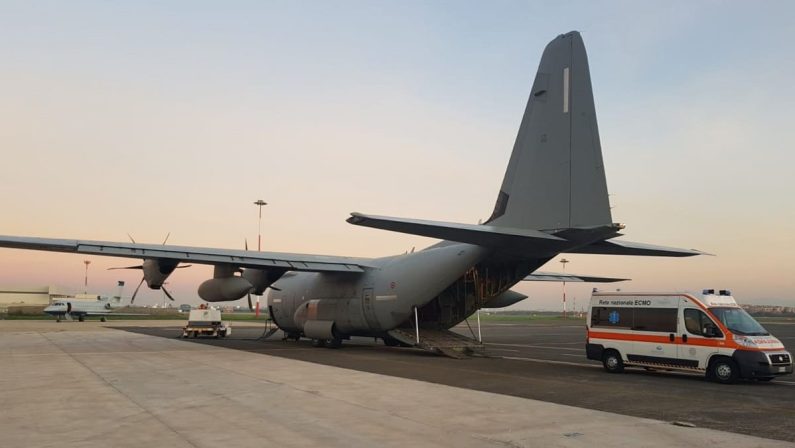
x=434, y=280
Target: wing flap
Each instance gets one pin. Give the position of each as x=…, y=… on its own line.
x=200, y=255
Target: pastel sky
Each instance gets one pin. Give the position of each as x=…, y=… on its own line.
x=155, y=117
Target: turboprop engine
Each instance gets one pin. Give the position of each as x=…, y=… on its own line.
x=225, y=286
x=155, y=273
x=224, y=289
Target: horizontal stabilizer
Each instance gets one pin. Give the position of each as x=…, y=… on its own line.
x=614, y=247
x=559, y=277
x=481, y=235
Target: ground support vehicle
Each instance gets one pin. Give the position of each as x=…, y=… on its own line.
x=206, y=322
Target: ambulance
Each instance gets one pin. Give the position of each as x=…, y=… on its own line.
x=706, y=333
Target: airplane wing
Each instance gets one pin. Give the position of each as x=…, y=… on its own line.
x=616, y=247
x=559, y=277
x=200, y=255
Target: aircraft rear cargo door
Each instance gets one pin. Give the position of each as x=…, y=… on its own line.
x=368, y=309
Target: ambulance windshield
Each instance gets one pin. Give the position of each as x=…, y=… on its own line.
x=739, y=322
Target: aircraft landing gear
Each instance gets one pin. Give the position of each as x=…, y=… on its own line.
x=102, y=319
x=81, y=319
x=328, y=343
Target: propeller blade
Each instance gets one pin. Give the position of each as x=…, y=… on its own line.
x=246, y=243
x=127, y=267
x=132, y=299
x=250, y=306
x=184, y=266
x=131, y=238
x=274, y=288
x=168, y=294
x=164, y=242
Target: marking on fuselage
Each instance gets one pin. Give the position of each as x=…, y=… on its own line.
x=389, y=297
x=277, y=300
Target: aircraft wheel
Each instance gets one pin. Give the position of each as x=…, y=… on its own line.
x=612, y=361
x=102, y=319
x=81, y=319
x=334, y=343
x=318, y=342
x=765, y=379
x=391, y=342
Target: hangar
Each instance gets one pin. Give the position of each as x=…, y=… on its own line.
x=28, y=296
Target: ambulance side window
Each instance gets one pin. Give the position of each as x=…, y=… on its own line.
x=655, y=319
x=698, y=323
x=611, y=317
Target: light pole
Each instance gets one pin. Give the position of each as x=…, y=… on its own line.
x=563, y=262
x=85, y=284
x=259, y=204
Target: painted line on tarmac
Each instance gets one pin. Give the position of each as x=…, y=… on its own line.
x=537, y=346
x=549, y=361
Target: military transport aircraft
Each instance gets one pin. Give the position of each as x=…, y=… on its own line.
x=553, y=200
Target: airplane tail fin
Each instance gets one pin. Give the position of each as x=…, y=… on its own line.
x=555, y=178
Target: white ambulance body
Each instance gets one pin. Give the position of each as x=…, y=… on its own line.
x=706, y=333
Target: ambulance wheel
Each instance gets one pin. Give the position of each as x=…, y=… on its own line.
x=612, y=361
x=723, y=370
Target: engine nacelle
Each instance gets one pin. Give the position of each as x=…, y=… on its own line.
x=157, y=271
x=224, y=289
x=261, y=279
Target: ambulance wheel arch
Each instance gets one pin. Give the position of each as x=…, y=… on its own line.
x=723, y=369
x=611, y=360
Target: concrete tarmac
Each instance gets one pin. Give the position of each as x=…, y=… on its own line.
x=75, y=385
x=547, y=362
